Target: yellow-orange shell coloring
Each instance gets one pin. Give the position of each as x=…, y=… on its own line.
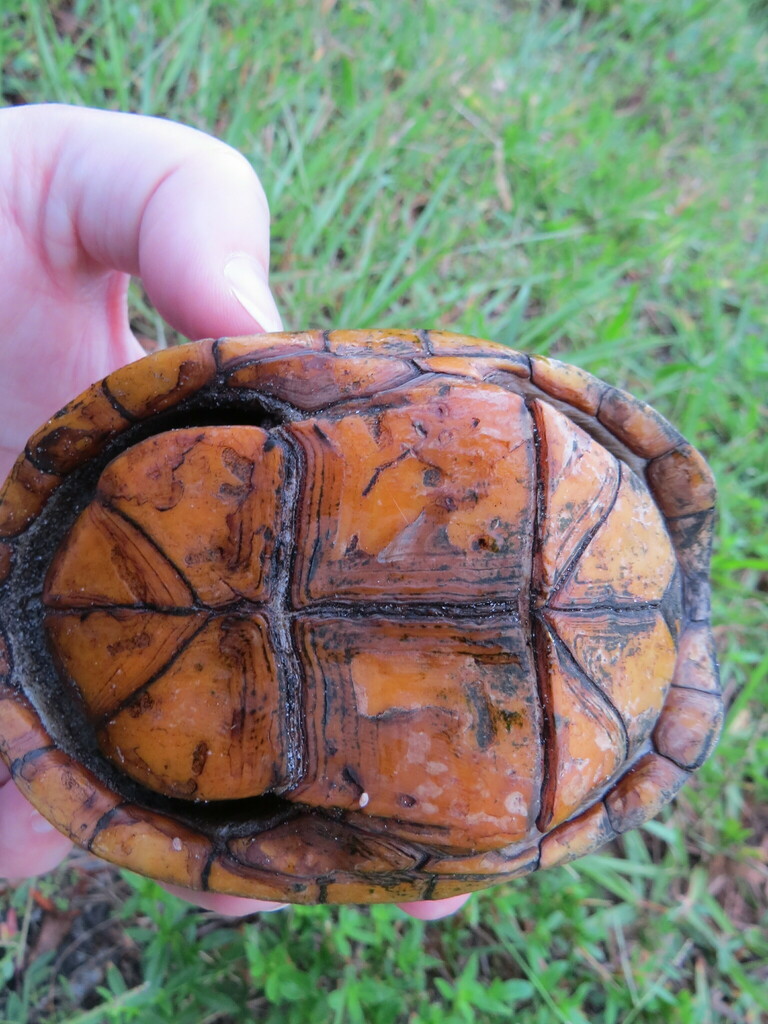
x=354, y=617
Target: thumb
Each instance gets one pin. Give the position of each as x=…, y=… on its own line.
x=178, y=208
x=203, y=247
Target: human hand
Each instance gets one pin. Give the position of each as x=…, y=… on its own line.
x=87, y=199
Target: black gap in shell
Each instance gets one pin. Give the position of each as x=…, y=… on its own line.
x=48, y=688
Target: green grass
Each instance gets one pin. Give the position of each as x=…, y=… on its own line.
x=585, y=179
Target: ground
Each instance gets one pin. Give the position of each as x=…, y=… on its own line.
x=583, y=179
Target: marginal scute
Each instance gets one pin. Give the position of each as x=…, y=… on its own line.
x=21, y=732
x=578, y=837
x=24, y=495
x=681, y=482
x=154, y=845
x=644, y=431
x=696, y=666
x=234, y=353
x=73, y=799
x=689, y=726
x=691, y=537
x=479, y=367
x=231, y=877
x=510, y=861
x=640, y=794
x=444, y=888
x=76, y=434
x=404, y=344
x=177, y=373
x=567, y=383
x=445, y=343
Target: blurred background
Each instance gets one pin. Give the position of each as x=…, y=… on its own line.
x=580, y=178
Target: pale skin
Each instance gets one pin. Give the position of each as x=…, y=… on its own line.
x=88, y=199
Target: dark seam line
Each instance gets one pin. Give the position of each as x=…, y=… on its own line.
x=20, y=763
x=278, y=582
x=116, y=405
x=216, y=353
x=547, y=749
x=320, y=610
x=104, y=820
x=113, y=712
x=689, y=768
x=697, y=689
x=422, y=858
x=429, y=888
x=426, y=340
x=571, y=564
x=702, y=513
x=319, y=432
x=192, y=609
x=279, y=623
x=140, y=529
x=38, y=463
x=646, y=813
x=604, y=803
x=413, y=611
x=605, y=391
x=537, y=864
x=536, y=630
x=321, y=741
x=606, y=606
x=595, y=688
x=673, y=608
x=205, y=874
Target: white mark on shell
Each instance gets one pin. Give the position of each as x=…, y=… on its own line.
x=515, y=803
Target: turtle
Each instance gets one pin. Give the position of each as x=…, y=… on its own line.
x=354, y=616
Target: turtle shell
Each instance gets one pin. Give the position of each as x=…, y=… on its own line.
x=356, y=616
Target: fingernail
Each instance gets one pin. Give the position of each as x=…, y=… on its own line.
x=246, y=281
